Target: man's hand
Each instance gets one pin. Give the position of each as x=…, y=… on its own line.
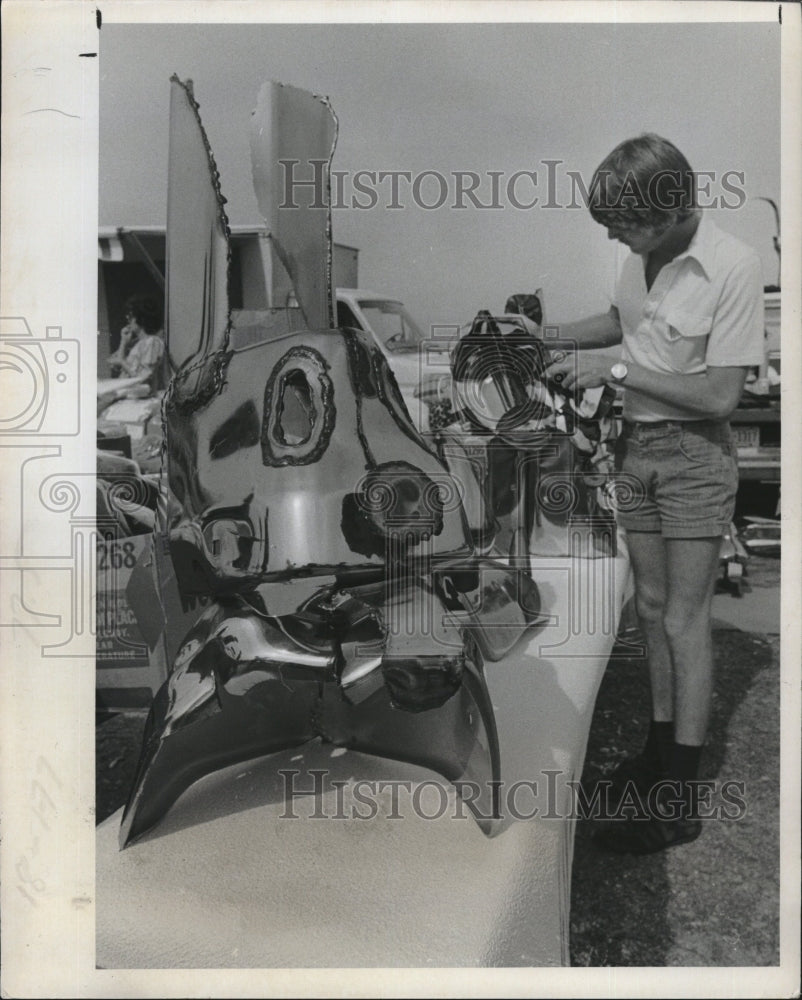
x=575, y=371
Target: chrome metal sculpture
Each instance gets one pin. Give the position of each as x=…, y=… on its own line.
x=348, y=602
x=538, y=458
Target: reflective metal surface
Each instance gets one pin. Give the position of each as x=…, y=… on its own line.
x=197, y=243
x=528, y=454
x=320, y=471
x=391, y=667
x=292, y=458
x=345, y=669
x=293, y=134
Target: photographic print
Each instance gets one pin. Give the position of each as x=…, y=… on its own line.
x=398, y=523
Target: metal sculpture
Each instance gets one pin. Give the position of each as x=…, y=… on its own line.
x=348, y=603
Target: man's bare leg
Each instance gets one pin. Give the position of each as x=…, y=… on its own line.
x=692, y=568
x=640, y=772
x=647, y=553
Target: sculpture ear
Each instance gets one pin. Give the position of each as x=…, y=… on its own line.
x=198, y=317
x=293, y=134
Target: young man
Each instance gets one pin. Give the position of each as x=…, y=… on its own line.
x=688, y=310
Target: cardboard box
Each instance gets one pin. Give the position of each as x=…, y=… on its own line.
x=127, y=671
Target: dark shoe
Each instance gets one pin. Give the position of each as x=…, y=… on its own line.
x=639, y=836
x=641, y=771
x=629, y=783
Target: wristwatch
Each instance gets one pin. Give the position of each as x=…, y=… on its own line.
x=619, y=372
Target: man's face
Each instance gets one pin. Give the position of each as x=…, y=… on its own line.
x=641, y=239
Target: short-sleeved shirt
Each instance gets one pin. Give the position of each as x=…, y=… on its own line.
x=146, y=355
x=704, y=309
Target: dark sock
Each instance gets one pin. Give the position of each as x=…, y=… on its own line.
x=684, y=764
x=659, y=744
x=684, y=767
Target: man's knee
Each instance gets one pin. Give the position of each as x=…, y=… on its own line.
x=651, y=605
x=686, y=624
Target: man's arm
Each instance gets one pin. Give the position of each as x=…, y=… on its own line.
x=602, y=330
x=735, y=345
x=712, y=395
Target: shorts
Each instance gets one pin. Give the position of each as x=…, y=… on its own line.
x=676, y=478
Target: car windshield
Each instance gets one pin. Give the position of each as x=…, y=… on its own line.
x=392, y=324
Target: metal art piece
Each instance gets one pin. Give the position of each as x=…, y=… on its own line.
x=348, y=602
x=540, y=454
x=291, y=129
x=198, y=317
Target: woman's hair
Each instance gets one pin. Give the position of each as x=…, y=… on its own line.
x=645, y=180
x=147, y=311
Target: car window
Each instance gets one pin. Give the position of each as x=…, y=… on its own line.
x=392, y=324
x=345, y=316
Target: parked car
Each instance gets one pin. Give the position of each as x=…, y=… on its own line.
x=413, y=353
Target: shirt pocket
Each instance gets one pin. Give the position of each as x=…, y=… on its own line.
x=686, y=335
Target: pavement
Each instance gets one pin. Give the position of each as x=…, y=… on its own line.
x=757, y=611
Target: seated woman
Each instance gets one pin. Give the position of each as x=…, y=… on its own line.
x=141, y=351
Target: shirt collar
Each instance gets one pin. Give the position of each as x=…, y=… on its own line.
x=702, y=246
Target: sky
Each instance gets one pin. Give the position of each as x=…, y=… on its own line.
x=446, y=98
